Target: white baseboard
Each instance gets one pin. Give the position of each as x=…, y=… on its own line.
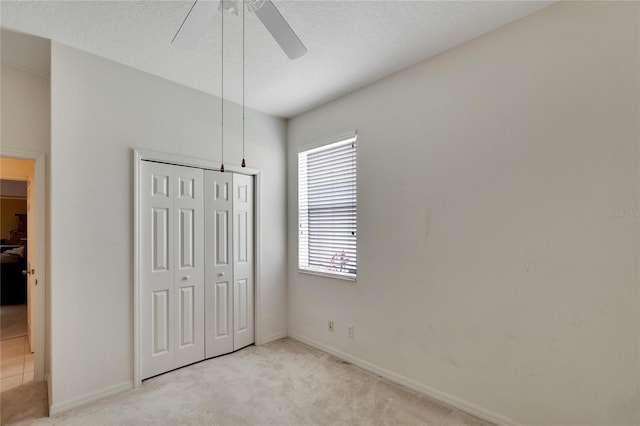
x=271, y=338
x=61, y=407
x=445, y=398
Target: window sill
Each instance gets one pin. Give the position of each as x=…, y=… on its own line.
x=337, y=276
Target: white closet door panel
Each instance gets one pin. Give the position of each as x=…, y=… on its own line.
x=160, y=323
x=189, y=259
x=218, y=268
x=187, y=240
x=186, y=317
x=222, y=307
x=156, y=270
x=241, y=228
x=242, y=306
x=243, y=261
x=160, y=238
x=218, y=319
x=221, y=237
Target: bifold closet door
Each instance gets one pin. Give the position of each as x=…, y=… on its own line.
x=219, y=266
x=229, y=275
x=243, y=307
x=172, y=269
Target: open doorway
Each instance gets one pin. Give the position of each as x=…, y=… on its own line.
x=18, y=253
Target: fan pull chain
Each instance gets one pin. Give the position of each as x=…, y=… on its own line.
x=243, y=162
x=222, y=91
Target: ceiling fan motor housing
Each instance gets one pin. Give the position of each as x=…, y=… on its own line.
x=232, y=6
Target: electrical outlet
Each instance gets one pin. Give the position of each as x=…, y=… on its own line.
x=350, y=330
x=330, y=325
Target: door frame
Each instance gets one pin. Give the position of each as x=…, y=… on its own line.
x=140, y=155
x=39, y=307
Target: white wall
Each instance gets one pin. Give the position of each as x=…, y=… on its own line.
x=100, y=112
x=490, y=271
x=25, y=124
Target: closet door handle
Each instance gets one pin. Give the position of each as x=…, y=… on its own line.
x=185, y=278
x=221, y=274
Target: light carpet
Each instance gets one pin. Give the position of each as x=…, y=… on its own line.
x=280, y=383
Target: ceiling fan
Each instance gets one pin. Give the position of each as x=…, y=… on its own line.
x=202, y=11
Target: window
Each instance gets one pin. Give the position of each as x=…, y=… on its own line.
x=327, y=209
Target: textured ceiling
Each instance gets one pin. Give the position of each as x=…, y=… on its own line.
x=351, y=43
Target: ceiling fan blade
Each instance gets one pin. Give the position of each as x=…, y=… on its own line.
x=195, y=23
x=280, y=30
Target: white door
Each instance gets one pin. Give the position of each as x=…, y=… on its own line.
x=243, y=261
x=189, y=279
x=229, y=262
x=219, y=266
x=172, y=270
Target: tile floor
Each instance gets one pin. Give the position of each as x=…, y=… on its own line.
x=16, y=362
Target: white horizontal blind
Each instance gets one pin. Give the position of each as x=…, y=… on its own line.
x=327, y=209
